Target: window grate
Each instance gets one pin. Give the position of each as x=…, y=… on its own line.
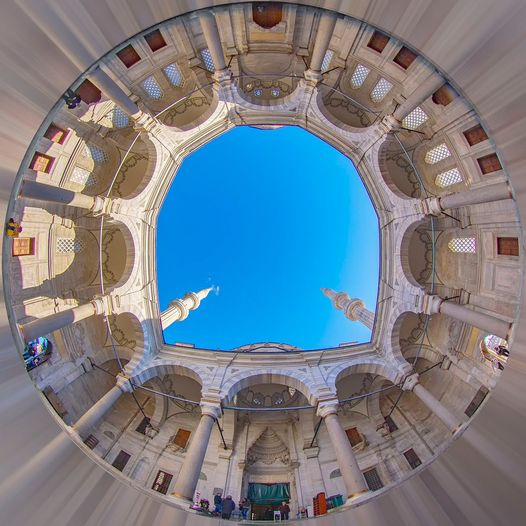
x=326, y=62
x=118, y=118
x=415, y=119
x=412, y=458
x=97, y=154
x=173, y=74
x=360, y=74
x=463, y=245
x=153, y=89
x=448, y=178
x=374, y=482
x=382, y=88
x=437, y=154
x=68, y=245
x=207, y=59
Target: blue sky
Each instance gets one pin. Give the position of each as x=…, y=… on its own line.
x=269, y=217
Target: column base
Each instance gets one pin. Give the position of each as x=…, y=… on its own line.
x=181, y=500
x=357, y=494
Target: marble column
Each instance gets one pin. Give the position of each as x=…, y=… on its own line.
x=351, y=473
x=58, y=320
x=113, y=91
x=189, y=475
x=486, y=322
x=449, y=419
x=213, y=40
x=55, y=194
x=323, y=38
x=419, y=95
x=84, y=424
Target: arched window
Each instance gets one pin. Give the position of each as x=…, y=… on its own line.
x=207, y=59
x=95, y=153
x=415, y=119
x=173, y=74
x=359, y=75
x=326, y=62
x=448, y=178
x=382, y=88
x=437, y=154
x=463, y=245
x=151, y=87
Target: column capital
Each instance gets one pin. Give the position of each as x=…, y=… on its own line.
x=431, y=206
x=410, y=382
x=102, y=304
x=123, y=383
x=431, y=304
x=327, y=407
x=210, y=405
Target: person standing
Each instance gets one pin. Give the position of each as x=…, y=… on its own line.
x=228, y=506
x=217, y=503
x=284, y=511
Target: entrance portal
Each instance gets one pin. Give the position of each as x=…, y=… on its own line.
x=267, y=498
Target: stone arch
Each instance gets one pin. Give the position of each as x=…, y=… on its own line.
x=161, y=405
x=373, y=366
x=401, y=327
x=397, y=171
x=246, y=378
x=163, y=367
x=125, y=354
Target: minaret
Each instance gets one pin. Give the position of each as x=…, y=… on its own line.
x=178, y=309
x=354, y=309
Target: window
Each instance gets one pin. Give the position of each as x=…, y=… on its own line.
x=437, y=154
x=121, y=460
x=88, y=92
x=508, y=246
x=381, y=89
x=207, y=59
x=41, y=162
x=180, y=438
x=378, y=41
x=162, y=482
x=68, y=245
x=443, y=95
x=448, y=178
x=359, y=75
x=141, y=428
x=489, y=163
x=23, y=246
x=267, y=14
x=118, y=118
x=405, y=57
x=475, y=403
x=94, y=152
x=81, y=176
x=415, y=119
x=326, y=62
x=275, y=92
x=390, y=424
x=56, y=134
x=354, y=436
x=475, y=135
x=128, y=56
x=151, y=87
x=91, y=441
x=374, y=482
x=173, y=74
x=412, y=458
x=463, y=245
x=155, y=40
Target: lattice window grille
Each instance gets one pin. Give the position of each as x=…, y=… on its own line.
x=326, y=62
x=81, y=176
x=275, y=92
x=118, y=118
x=68, y=245
x=437, y=154
x=153, y=89
x=360, y=74
x=463, y=245
x=207, y=59
x=173, y=74
x=382, y=88
x=448, y=178
x=97, y=154
x=415, y=119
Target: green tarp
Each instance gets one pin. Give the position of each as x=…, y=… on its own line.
x=268, y=493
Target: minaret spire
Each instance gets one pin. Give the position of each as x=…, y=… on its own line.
x=178, y=309
x=353, y=308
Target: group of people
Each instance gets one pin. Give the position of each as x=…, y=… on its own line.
x=225, y=506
